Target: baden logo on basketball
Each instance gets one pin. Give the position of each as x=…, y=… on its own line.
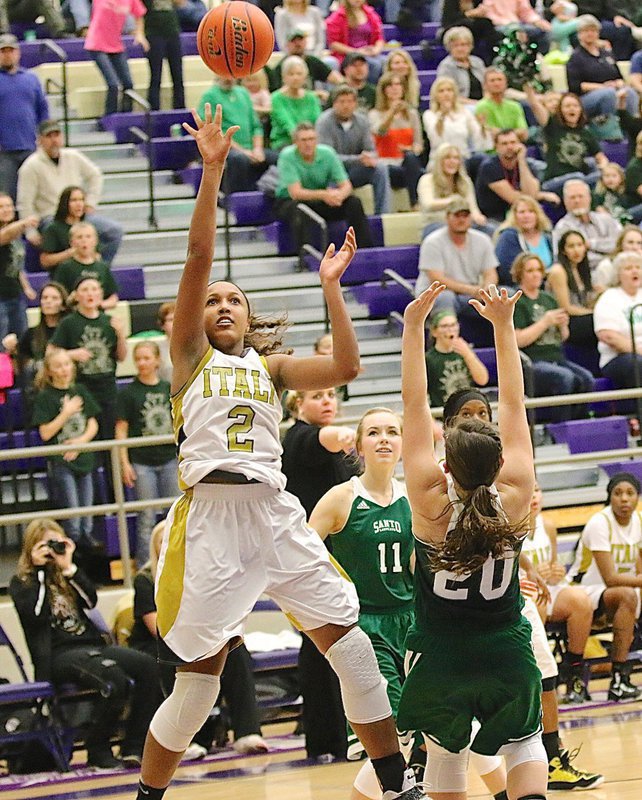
x=240, y=29
x=213, y=47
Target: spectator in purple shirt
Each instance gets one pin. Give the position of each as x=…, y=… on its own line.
x=23, y=106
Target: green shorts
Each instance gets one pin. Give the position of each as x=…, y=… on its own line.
x=457, y=676
x=387, y=632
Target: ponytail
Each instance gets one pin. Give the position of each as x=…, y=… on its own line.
x=481, y=530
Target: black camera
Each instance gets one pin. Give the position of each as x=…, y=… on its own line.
x=57, y=546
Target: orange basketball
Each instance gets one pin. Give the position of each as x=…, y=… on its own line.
x=235, y=39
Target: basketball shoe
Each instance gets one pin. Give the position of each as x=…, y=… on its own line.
x=563, y=776
x=409, y=791
x=621, y=687
x=576, y=691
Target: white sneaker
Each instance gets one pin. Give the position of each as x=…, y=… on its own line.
x=248, y=745
x=195, y=752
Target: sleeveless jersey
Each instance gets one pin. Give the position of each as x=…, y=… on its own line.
x=374, y=548
x=538, y=548
x=488, y=598
x=603, y=533
x=227, y=417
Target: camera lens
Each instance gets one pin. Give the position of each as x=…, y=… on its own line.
x=57, y=546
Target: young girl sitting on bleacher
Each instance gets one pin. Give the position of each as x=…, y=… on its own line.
x=65, y=413
x=569, y=604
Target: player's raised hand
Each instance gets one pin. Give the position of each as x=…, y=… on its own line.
x=417, y=311
x=495, y=305
x=334, y=264
x=213, y=144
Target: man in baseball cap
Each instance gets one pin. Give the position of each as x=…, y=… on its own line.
x=23, y=106
x=355, y=70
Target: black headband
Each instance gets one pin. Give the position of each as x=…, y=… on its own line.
x=621, y=477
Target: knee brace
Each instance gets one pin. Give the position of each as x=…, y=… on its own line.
x=484, y=765
x=366, y=782
x=446, y=771
x=185, y=710
x=531, y=749
x=363, y=688
x=548, y=684
x=532, y=797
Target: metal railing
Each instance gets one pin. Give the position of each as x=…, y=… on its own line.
x=146, y=137
x=121, y=507
x=48, y=44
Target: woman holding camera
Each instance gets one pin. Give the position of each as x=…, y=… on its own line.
x=52, y=596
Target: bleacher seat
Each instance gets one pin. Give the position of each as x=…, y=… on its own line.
x=161, y=122
x=130, y=280
x=634, y=467
x=588, y=435
x=12, y=410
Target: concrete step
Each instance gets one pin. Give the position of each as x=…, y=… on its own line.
x=365, y=385
x=379, y=366
x=169, y=247
x=355, y=407
x=178, y=208
x=133, y=186
x=303, y=336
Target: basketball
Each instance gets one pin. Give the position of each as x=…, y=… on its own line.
x=235, y=39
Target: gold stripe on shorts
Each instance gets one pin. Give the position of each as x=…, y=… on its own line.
x=170, y=582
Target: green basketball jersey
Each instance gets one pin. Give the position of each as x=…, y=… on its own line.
x=488, y=598
x=375, y=547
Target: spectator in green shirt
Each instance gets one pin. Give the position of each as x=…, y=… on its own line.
x=292, y=103
x=495, y=111
x=313, y=174
x=86, y=263
x=65, y=413
x=248, y=159
x=540, y=327
x=95, y=343
x=143, y=409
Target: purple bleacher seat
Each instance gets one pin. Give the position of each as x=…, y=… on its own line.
x=381, y=300
x=120, y=124
x=587, y=435
x=106, y=530
x=426, y=79
x=32, y=53
x=16, y=440
x=32, y=258
x=250, y=208
x=634, y=467
x=168, y=152
x=488, y=357
x=192, y=175
x=130, y=280
x=12, y=410
x=393, y=33
x=369, y=265
x=605, y=408
x=616, y=151
x=436, y=54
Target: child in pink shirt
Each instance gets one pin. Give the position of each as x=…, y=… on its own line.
x=105, y=43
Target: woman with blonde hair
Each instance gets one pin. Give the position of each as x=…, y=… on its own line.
x=292, y=103
x=447, y=120
x=525, y=229
x=396, y=129
x=299, y=15
x=401, y=63
x=464, y=68
x=447, y=181
x=629, y=240
x=52, y=595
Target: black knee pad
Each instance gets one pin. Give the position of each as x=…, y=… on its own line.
x=548, y=684
x=532, y=797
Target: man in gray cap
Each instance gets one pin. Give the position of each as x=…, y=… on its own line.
x=23, y=106
x=48, y=171
x=462, y=259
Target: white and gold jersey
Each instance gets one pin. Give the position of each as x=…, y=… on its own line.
x=538, y=547
x=227, y=417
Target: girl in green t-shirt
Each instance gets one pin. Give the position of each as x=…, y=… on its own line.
x=143, y=409
x=451, y=362
x=65, y=413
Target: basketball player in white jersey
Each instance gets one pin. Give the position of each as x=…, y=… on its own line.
x=235, y=533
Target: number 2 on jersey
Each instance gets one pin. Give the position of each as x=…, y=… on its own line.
x=396, y=557
x=237, y=438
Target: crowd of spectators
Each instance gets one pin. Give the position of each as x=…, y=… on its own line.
x=510, y=187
